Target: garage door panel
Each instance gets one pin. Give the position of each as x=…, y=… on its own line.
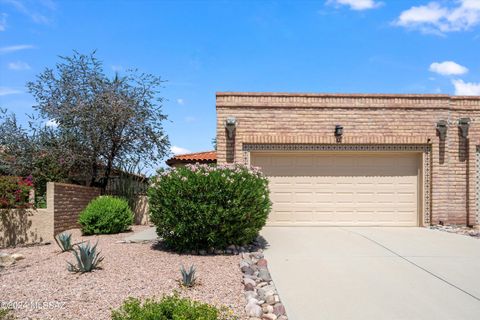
x=342, y=189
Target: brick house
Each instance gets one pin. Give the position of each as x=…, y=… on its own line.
x=358, y=159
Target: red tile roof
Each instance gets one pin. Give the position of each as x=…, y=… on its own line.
x=200, y=157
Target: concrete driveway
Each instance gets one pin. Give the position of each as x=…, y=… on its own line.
x=374, y=273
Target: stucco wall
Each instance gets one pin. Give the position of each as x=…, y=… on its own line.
x=277, y=118
x=141, y=210
x=25, y=226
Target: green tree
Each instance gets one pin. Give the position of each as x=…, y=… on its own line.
x=108, y=122
x=37, y=150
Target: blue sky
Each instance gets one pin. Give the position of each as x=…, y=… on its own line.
x=201, y=47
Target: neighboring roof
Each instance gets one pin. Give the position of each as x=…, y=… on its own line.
x=197, y=157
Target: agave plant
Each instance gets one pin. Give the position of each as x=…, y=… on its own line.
x=188, y=276
x=87, y=258
x=64, y=241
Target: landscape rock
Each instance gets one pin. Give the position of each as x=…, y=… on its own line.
x=264, y=275
x=249, y=281
x=265, y=291
x=458, y=229
x=262, y=262
x=267, y=308
x=263, y=301
x=249, y=287
x=253, y=310
x=270, y=299
x=248, y=270
x=17, y=256
x=250, y=294
x=6, y=260
x=269, y=316
x=278, y=309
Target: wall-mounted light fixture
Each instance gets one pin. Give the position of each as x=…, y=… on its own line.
x=442, y=129
x=338, y=132
x=463, y=125
x=230, y=125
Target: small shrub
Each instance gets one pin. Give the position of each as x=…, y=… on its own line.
x=169, y=308
x=188, y=276
x=5, y=314
x=105, y=215
x=202, y=207
x=86, y=257
x=64, y=241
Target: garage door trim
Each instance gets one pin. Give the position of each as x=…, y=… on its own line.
x=424, y=150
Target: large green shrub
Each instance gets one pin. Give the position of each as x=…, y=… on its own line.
x=169, y=308
x=202, y=207
x=106, y=214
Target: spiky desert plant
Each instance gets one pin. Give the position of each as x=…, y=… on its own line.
x=188, y=276
x=87, y=258
x=64, y=241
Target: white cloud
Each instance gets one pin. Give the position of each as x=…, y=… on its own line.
x=3, y=21
x=179, y=150
x=438, y=19
x=5, y=91
x=356, y=4
x=18, y=65
x=10, y=49
x=27, y=10
x=190, y=119
x=447, y=68
x=51, y=123
x=466, y=88
x=181, y=101
x=117, y=68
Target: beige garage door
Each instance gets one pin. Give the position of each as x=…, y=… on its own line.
x=362, y=189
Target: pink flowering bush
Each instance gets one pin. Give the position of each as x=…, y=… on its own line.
x=14, y=192
x=209, y=207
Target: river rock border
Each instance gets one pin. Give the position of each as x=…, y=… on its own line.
x=463, y=230
x=263, y=301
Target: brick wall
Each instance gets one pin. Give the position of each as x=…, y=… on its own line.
x=64, y=204
x=68, y=201
x=278, y=118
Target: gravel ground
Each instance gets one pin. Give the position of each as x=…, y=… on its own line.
x=128, y=270
x=472, y=232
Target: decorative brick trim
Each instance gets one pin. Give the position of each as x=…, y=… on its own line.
x=331, y=139
x=425, y=149
x=390, y=101
x=427, y=185
x=477, y=183
x=336, y=147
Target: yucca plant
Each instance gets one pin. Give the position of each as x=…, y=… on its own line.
x=64, y=241
x=188, y=276
x=87, y=258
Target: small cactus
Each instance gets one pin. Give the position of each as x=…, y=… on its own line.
x=188, y=276
x=64, y=241
x=87, y=258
